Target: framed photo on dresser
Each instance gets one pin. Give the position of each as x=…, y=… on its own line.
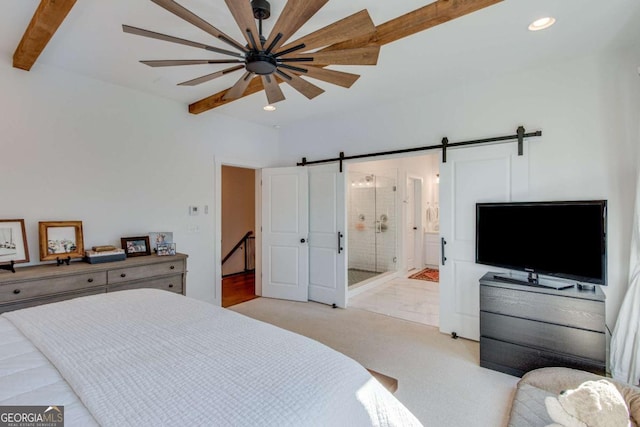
x=13, y=241
x=60, y=239
x=166, y=249
x=136, y=246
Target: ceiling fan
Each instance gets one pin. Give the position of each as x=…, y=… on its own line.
x=269, y=57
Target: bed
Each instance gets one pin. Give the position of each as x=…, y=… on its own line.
x=150, y=357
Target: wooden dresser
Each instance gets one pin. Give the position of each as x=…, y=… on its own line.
x=42, y=284
x=524, y=327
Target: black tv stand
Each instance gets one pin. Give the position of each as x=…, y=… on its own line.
x=525, y=327
x=532, y=279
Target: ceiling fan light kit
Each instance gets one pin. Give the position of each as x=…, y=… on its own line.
x=269, y=57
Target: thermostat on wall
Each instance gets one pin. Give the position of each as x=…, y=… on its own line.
x=193, y=210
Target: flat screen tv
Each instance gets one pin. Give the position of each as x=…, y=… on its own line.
x=567, y=240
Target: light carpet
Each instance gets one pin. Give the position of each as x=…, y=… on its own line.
x=439, y=379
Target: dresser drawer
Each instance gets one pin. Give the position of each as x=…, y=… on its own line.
x=530, y=333
x=43, y=287
x=46, y=300
x=568, y=311
x=167, y=283
x=517, y=360
x=145, y=271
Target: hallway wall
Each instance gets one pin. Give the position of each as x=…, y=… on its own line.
x=238, y=213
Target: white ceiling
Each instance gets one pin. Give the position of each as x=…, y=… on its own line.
x=479, y=46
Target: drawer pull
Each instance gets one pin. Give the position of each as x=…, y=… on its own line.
x=171, y=285
x=123, y=275
x=173, y=267
x=90, y=280
x=16, y=291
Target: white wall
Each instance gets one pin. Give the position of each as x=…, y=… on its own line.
x=121, y=161
x=588, y=109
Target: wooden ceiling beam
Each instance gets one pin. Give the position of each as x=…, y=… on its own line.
x=406, y=25
x=426, y=17
x=45, y=22
x=218, y=100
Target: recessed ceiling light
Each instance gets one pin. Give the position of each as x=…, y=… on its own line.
x=269, y=108
x=542, y=23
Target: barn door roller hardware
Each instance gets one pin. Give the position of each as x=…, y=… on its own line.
x=445, y=145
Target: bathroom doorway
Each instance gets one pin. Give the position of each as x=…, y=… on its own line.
x=393, y=238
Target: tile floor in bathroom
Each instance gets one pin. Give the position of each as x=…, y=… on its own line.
x=408, y=299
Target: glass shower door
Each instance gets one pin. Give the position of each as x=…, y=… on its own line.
x=372, y=225
x=386, y=224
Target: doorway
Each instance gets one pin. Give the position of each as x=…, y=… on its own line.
x=238, y=235
x=390, y=217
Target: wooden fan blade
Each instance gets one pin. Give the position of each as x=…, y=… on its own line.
x=243, y=14
x=211, y=76
x=238, y=89
x=339, y=78
x=360, y=56
x=304, y=87
x=176, y=62
x=158, y=36
x=272, y=88
x=295, y=14
x=351, y=27
x=421, y=19
x=192, y=18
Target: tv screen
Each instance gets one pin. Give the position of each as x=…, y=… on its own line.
x=561, y=239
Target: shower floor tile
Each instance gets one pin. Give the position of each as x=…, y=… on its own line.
x=357, y=276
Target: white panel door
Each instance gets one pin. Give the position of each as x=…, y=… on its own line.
x=473, y=174
x=327, y=237
x=285, y=224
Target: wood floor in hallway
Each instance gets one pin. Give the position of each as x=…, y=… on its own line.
x=238, y=288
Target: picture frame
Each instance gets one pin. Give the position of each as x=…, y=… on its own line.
x=60, y=240
x=136, y=246
x=13, y=241
x=159, y=237
x=165, y=249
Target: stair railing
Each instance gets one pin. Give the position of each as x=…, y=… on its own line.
x=248, y=242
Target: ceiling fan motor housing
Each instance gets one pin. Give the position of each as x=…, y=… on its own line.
x=264, y=57
x=261, y=9
x=261, y=63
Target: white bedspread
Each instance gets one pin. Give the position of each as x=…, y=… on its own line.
x=27, y=378
x=149, y=357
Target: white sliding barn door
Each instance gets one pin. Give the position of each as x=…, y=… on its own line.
x=285, y=225
x=327, y=237
x=492, y=173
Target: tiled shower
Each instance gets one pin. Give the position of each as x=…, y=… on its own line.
x=372, y=225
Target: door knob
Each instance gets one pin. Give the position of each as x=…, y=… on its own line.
x=302, y=240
